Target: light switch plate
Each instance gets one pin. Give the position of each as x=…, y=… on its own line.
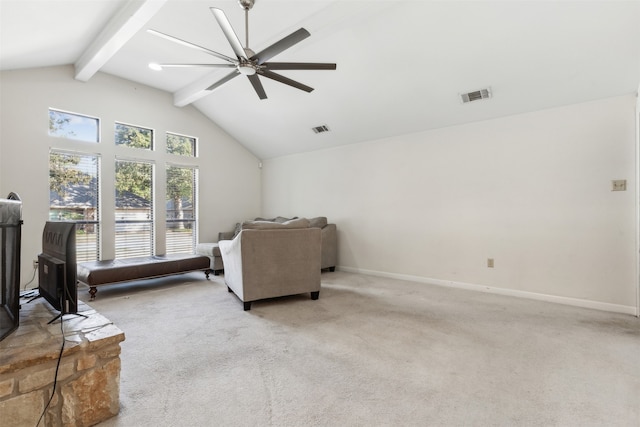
x=619, y=185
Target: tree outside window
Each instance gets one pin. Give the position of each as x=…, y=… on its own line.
x=134, y=136
x=181, y=145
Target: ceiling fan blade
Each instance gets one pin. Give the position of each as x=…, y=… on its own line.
x=192, y=46
x=279, y=46
x=227, y=29
x=225, y=79
x=197, y=65
x=255, y=81
x=298, y=66
x=285, y=80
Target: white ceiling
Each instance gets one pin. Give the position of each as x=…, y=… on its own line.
x=401, y=65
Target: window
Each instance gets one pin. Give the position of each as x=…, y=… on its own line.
x=134, y=136
x=181, y=145
x=73, y=196
x=134, y=209
x=73, y=126
x=74, y=187
x=181, y=209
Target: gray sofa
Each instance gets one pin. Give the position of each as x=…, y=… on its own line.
x=329, y=240
x=268, y=259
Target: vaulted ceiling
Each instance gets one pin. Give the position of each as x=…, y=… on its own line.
x=401, y=65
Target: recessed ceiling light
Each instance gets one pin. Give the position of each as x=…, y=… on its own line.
x=155, y=67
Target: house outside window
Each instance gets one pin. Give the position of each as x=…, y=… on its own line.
x=74, y=196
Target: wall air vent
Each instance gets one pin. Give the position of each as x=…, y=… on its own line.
x=476, y=95
x=320, y=129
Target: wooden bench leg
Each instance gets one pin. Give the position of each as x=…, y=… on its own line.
x=92, y=292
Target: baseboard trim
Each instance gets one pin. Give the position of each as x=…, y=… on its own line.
x=577, y=302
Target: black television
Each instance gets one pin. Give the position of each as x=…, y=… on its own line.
x=57, y=266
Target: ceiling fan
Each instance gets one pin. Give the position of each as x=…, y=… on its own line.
x=247, y=62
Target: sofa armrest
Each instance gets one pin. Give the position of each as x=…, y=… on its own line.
x=231, y=252
x=226, y=235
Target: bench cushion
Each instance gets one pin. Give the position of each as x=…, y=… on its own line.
x=95, y=273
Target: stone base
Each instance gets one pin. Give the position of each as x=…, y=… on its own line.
x=88, y=380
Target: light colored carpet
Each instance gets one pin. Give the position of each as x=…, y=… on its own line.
x=369, y=352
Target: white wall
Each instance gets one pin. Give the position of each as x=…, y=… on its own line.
x=532, y=191
x=229, y=174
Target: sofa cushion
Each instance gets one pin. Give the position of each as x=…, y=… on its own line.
x=282, y=219
x=268, y=225
x=279, y=219
x=318, y=222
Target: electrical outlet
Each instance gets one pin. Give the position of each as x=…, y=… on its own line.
x=490, y=262
x=619, y=185
x=35, y=264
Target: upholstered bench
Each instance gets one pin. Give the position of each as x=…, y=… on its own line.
x=96, y=273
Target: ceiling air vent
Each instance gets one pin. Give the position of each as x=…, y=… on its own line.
x=320, y=129
x=476, y=95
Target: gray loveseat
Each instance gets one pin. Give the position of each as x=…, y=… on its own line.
x=270, y=259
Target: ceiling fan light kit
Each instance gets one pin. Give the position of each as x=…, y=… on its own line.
x=247, y=62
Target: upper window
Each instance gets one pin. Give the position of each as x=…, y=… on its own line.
x=73, y=126
x=181, y=145
x=134, y=136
